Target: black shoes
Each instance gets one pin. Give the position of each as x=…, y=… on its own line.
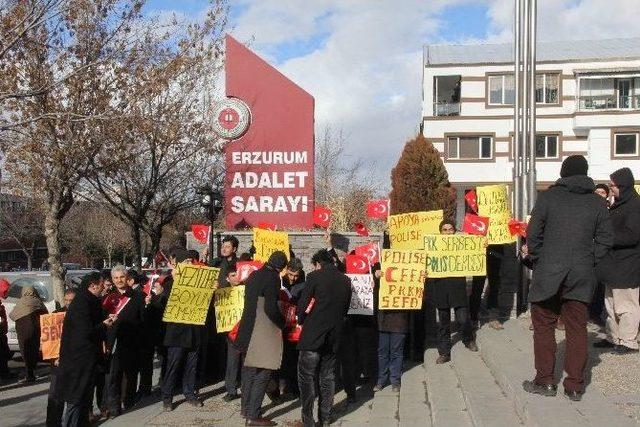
x=603, y=343
x=167, y=406
x=472, y=346
x=623, y=349
x=230, y=397
x=541, y=389
x=574, y=395
x=197, y=403
x=443, y=358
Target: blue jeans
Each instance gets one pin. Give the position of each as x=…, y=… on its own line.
x=390, y=354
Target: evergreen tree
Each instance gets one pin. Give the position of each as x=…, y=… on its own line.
x=419, y=181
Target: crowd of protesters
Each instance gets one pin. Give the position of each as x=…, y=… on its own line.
x=583, y=244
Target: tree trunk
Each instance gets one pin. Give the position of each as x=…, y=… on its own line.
x=52, y=234
x=136, y=236
x=156, y=237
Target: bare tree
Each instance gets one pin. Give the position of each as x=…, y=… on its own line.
x=21, y=220
x=343, y=183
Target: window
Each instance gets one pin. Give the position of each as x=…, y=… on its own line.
x=447, y=95
x=502, y=90
x=597, y=93
x=547, y=146
x=470, y=147
x=625, y=144
x=547, y=88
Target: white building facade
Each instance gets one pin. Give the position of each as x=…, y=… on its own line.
x=588, y=102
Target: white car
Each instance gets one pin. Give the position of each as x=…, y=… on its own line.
x=41, y=281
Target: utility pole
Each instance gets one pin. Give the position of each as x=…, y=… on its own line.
x=524, y=121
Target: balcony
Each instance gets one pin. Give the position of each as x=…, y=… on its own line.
x=446, y=108
x=608, y=102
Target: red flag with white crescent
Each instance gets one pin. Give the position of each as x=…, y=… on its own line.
x=371, y=251
x=472, y=200
x=266, y=226
x=474, y=224
x=245, y=268
x=517, y=227
x=378, y=209
x=361, y=229
x=322, y=216
x=357, y=264
x=200, y=233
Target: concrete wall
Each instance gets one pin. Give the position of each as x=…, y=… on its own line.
x=303, y=244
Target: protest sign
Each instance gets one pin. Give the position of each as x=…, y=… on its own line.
x=493, y=202
x=267, y=242
x=50, y=335
x=637, y=187
x=455, y=255
x=407, y=231
x=191, y=294
x=402, y=281
x=229, y=303
x=361, y=294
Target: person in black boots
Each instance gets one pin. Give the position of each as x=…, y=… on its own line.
x=619, y=271
x=123, y=342
x=568, y=235
x=450, y=293
x=260, y=336
x=83, y=333
x=321, y=331
x=226, y=262
x=183, y=343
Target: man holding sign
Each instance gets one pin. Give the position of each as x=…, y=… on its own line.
x=450, y=290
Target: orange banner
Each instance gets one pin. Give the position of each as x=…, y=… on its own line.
x=50, y=334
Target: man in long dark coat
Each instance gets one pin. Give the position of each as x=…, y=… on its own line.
x=620, y=269
x=83, y=333
x=568, y=234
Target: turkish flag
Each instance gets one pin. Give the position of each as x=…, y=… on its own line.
x=266, y=226
x=474, y=224
x=517, y=227
x=245, y=268
x=200, y=232
x=472, y=200
x=361, y=229
x=378, y=209
x=370, y=251
x=357, y=264
x=322, y=216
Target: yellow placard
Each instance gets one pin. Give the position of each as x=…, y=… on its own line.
x=407, y=231
x=402, y=280
x=191, y=294
x=637, y=187
x=267, y=242
x=229, y=304
x=493, y=202
x=50, y=335
x=455, y=255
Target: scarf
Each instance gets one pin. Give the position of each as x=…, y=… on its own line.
x=29, y=303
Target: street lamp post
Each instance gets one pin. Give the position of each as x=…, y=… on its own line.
x=211, y=200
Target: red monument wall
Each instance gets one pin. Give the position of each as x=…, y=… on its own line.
x=269, y=169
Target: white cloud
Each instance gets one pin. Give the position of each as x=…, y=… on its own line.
x=366, y=75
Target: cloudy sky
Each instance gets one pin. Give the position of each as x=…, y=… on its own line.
x=361, y=59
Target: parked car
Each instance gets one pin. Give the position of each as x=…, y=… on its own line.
x=41, y=281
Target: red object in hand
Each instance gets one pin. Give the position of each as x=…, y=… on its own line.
x=200, y=233
x=294, y=334
x=322, y=216
x=517, y=227
x=361, y=229
x=266, y=226
x=370, y=251
x=474, y=224
x=378, y=209
x=357, y=264
x=233, y=333
x=472, y=200
x=245, y=268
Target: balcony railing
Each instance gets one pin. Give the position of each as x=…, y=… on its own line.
x=607, y=102
x=446, y=108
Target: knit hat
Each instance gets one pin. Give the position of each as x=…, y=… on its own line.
x=278, y=260
x=574, y=165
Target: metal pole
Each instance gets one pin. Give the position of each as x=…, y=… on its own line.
x=532, y=99
x=525, y=104
x=517, y=171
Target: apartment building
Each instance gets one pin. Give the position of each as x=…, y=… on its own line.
x=588, y=102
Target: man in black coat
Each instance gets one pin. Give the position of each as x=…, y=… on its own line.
x=568, y=234
x=226, y=262
x=183, y=343
x=321, y=330
x=83, y=333
x=620, y=269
